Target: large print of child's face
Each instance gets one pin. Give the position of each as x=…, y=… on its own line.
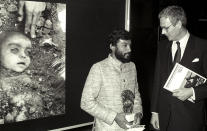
x=15, y=53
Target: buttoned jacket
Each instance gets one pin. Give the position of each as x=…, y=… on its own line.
x=101, y=95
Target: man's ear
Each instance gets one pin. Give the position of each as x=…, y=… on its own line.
x=112, y=47
x=179, y=24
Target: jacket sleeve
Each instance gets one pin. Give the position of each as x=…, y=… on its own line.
x=90, y=94
x=138, y=100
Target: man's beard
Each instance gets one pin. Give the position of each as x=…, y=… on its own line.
x=121, y=57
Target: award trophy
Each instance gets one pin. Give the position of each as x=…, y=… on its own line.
x=128, y=105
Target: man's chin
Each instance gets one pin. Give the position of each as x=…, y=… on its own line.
x=125, y=60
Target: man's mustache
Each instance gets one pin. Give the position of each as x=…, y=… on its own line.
x=127, y=53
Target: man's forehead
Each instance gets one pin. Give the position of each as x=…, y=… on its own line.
x=164, y=21
x=125, y=41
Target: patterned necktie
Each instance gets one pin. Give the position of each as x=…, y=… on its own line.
x=177, y=54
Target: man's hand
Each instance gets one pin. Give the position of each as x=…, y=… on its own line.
x=121, y=120
x=33, y=11
x=137, y=119
x=183, y=93
x=155, y=121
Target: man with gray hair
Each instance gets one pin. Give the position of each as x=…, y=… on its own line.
x=171, y=111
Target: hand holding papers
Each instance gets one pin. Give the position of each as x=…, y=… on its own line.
x=183, y=94
x=183, y=78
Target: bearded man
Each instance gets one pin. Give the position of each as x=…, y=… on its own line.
x=107, y=79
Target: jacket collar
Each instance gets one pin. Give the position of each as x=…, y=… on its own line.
x=114, y=61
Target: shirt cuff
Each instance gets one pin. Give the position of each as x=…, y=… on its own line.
x=154, y=112
x=111, y=117
x=193, y=96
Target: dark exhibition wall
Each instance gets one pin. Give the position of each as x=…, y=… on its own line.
x=89, y=23
x=144, y=27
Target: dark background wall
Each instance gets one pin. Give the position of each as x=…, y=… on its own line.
x=144, y=27
x=89, y=23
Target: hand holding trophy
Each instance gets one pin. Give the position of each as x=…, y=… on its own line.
x=128, y=105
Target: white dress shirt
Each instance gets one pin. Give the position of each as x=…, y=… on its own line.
x=183, y=43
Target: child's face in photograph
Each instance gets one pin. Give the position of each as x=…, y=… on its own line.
x=15, y=52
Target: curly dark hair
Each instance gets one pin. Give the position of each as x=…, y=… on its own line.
x=118, y=34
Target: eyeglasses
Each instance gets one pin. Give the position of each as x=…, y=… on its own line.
x=166, y=28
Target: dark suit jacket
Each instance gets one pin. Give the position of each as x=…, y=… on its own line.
x=174, y=114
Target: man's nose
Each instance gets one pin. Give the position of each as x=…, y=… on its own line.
x=163, y=31
x=129, y=48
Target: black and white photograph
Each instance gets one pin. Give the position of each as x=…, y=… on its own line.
x=103, y=65
x=32, y=60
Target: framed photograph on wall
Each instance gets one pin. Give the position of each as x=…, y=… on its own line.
x=33, y=43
